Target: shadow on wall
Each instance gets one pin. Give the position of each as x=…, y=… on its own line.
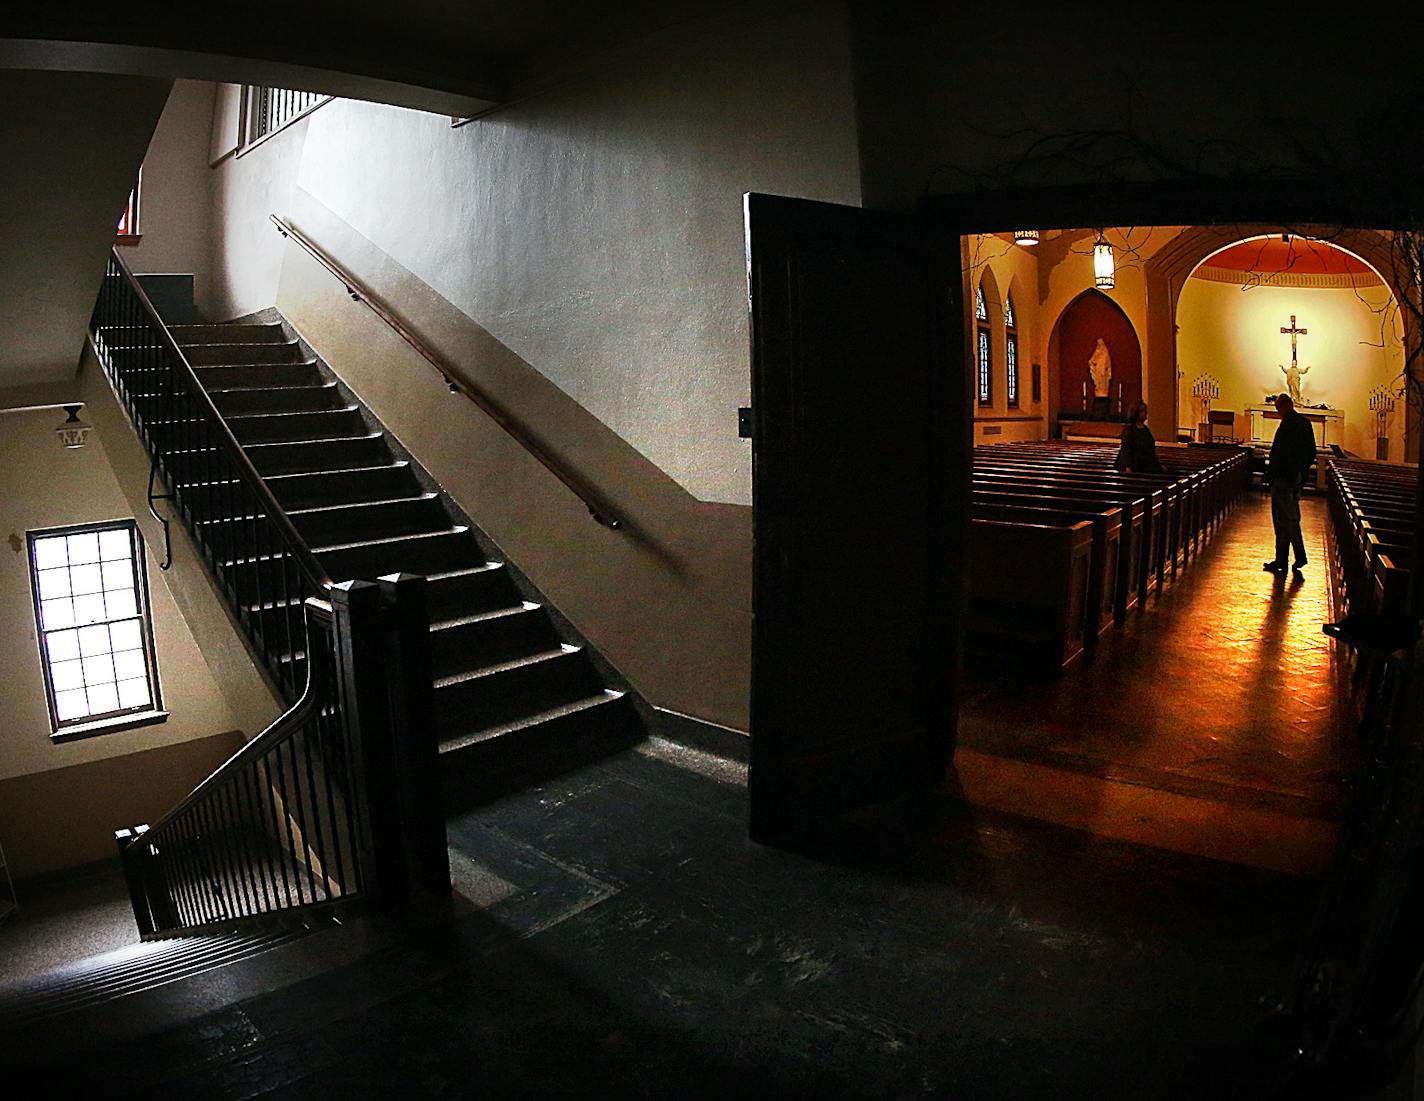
x=667, y=599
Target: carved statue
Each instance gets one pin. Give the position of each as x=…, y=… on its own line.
x=1293, y=376
x=1100, y=368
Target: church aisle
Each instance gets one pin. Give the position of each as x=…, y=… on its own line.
x=1221, y=695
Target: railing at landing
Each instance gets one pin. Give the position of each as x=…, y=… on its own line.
x=455, y=379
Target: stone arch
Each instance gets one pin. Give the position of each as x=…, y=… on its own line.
x=1168, y=270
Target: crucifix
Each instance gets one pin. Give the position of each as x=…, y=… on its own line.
x=1294, y=332
x=1294, y=373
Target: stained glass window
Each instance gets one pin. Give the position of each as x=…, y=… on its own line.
x=986, y=358
x=1011, y=354
x=91, y=608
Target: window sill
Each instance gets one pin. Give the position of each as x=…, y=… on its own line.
x=109, y=726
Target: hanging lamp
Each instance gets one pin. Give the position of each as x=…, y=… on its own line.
x=1026, y=237
x=1103, y=263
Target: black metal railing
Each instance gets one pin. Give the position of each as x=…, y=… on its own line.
x=278, y=827
x=339, y=799
x=255, y=553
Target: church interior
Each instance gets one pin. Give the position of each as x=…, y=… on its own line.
x=1212, y=719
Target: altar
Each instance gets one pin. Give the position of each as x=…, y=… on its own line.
x=1328, y=424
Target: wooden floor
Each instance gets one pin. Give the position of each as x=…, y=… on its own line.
x=1216, y=723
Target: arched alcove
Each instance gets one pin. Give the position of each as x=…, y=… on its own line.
x=1244, y=307
x=1090, y=316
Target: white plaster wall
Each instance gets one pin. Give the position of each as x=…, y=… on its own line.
x=595, y=230
x=43, y=485
x=175, y=218
x=1233, y=333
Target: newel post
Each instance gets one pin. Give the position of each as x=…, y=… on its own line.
x=416, y=750
x=382, y=652
x=134, y=877
x=360, y=654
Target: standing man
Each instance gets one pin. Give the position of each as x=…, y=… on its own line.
x=1292, y=452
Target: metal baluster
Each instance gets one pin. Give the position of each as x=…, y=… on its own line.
x=223, y=842
x=241, y=904
x=306, y=824
x=288, y=818
x=285, y=895
x=261, y=861
x=307, y=736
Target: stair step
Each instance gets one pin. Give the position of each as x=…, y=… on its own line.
x=218, y=355
x=229, y=333
x=260, y=375
x=342, y=487
x=507, y=693
x=350, y=523
x=484, y=587
x=366, y=449
x=130, y=970
x=488, y=638
x=539, y=739
x=277, y=399
x=326, y=424
x=426, y=553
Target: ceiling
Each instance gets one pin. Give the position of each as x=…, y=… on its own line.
x=1297, y=256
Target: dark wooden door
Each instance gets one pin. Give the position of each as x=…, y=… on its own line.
x=860, y=460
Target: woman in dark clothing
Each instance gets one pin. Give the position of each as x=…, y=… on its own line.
x=1138, y=454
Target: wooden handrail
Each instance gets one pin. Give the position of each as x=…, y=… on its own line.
x=283, y=726
x=454, y=378
x=301, y=554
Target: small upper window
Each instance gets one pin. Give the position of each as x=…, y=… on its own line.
x=95, y=634
x=981, y=309
x=267, y=110
x=1009, y=312
x=128, y=231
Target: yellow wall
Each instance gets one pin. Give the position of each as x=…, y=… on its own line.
x=43, y=485
x=1233, y=333
x=1013, y=269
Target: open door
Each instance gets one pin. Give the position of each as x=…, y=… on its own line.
x=858, y=456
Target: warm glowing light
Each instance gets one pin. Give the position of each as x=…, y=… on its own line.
x=1103, y=263
x=1025, y=236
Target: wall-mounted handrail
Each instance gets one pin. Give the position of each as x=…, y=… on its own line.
x=454, y=378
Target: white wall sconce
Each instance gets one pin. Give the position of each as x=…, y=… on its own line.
x=73, y=432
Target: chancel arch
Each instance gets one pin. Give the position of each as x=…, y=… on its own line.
x=1083, y=367
x=1283, y=313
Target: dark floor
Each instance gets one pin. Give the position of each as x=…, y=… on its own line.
x=636, y=944
x=65, y=918
x=1222, y=681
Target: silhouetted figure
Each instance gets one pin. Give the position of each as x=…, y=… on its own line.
x=1292, y=452
x=1138, y=454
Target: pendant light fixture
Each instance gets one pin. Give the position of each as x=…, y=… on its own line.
x=1103, y=264
x=1026, y=237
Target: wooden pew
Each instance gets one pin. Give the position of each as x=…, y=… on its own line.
x=1099, y=612
x=1028, y=588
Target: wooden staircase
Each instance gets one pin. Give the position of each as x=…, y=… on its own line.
x=511, y=685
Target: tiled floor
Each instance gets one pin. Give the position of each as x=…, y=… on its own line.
x=634, y=943
x=1223, y=684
